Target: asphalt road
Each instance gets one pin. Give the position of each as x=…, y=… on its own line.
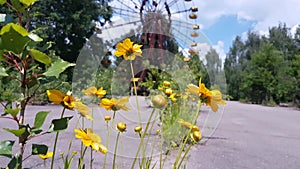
x=248, y=136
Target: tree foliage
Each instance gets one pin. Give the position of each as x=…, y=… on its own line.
x=264, y=69
x=68, y=23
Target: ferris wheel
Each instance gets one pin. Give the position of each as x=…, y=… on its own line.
x=162, y=27
x=157, y=22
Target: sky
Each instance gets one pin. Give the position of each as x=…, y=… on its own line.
x=223, y=20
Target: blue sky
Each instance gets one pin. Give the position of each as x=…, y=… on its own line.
x=226, y=29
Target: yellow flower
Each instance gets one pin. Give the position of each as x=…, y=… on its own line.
x=93, y=91
x=172, y=97
x=90, y=139
x=68, y=101
x=215, y=100
x=83, y=110
x=48, y=155
x=211, y=97
x=128, y=50
x=201, y=91
x=57, y=97
x=115, y=104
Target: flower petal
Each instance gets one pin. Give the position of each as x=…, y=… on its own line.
x=55, y=96
x=90, y=91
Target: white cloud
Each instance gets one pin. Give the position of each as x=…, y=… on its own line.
x=266, y=13
x=294, y=29
x=220, y=50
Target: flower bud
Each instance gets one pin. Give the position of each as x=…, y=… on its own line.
x=107, y=118
x=166, y=83
x=159, y=101
x=195, y=128
x=138, y=129
x=197, y=135
x=168, y=91
x=121, y=126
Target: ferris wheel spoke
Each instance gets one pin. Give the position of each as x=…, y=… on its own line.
x=119, y=25
x=126, y=5
x=177, y=12
x=172, y=3
x=183, y=34
x=125, y=14
x=126, y=10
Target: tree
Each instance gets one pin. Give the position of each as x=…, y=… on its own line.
x=232, y=68
x=262, y=83
x=69, y=23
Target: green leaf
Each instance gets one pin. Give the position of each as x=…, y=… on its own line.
x=18, y=132
x=20, y=7
x=39, y=149
x=14, y=38
x=40, y=56
x=2, y=72
x=59, y=124
x=28, y=3
x=15, y=162
x=35, y=37
x=58, y=67
x=6, y=148
x=34, y=132
x=40, y=118
x=12, y=112
x=2, y=2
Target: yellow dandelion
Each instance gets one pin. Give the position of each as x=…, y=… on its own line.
x=128, y=50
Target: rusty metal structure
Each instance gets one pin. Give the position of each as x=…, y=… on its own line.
x=160, y=25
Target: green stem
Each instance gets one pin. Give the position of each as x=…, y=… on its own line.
x=71, y=141
x=55, y=142
x=115, y=152
x=142, y=139
x=107, y=142
x=147, y=141
x=185, y=154
x=91, y=161
x=135, y=93
x=186, y=139
x=81, y=158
